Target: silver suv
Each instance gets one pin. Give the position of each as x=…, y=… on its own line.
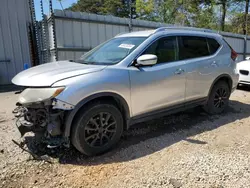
x=131, y=78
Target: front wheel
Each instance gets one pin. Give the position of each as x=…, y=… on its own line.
x=97, y=128
x=218, y=99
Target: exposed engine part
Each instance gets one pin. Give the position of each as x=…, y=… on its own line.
x=39, y=120
x=37, y=117
x=19, y=111
x=30, y=119
x=54, y=126
x=43, y=120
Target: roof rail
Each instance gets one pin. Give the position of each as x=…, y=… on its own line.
x=184, y=28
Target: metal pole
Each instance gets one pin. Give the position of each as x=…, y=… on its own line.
x=130, y=15
x=246, y=20
x=53, y=29
x=34, y=33
x=245, y=17
x=44, y=47
x=60, y=1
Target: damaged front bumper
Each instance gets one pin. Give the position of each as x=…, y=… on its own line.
x=44, y=117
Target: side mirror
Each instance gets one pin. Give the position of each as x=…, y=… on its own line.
x=146, y=60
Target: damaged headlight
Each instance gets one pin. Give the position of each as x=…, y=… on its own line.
x=31, y=95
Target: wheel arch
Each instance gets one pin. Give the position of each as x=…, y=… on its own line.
x=109, y=96
x=225, y=77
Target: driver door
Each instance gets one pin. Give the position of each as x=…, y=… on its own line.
x=162, y=85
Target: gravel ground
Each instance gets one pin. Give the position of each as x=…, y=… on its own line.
x=189, y=149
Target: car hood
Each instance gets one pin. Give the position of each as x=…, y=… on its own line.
x=49, y=73
x=245, y=65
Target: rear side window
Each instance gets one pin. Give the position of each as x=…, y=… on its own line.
x=192, y=47
x=213, y=45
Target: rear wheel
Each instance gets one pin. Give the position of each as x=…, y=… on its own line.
x=218, y=98
x=97, y=128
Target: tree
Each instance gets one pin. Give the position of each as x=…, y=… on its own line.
x=144, y=10
x=186, y=12
x=245, y=18
x=113, y=7
x=237, y=23
x=91, y=6
x=225, y=15
x=226, y=5
x=205, y=16
x=118, y=8
x=168, y=11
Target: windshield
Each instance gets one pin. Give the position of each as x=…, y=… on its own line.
x=112, y=52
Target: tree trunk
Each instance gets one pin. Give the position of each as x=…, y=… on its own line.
x=245, y=18
x=224, y=10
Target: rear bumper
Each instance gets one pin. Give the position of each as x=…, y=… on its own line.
x=244, y=82
x=244, y=79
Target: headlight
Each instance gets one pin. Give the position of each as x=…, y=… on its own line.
x=30, y=95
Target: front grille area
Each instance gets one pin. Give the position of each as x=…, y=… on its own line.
x=244, y=72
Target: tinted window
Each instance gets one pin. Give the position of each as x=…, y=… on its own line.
x=165, y=49
x=193, y=47
x=213, y=45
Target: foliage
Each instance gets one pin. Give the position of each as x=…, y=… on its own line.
x=146, y=10
x=226, y=15
x=91, y=6
x=237, y=23
x=106, y=7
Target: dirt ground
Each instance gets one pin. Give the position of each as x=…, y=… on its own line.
x=189, y=149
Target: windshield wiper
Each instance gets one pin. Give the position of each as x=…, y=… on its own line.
x=85, y=62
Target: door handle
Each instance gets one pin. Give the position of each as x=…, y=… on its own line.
x=214, y=63
x=179, y=71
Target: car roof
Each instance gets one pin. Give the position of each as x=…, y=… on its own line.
x=179, y=30
x=145, y=33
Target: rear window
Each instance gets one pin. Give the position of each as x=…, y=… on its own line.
x=193, y=47
x=213, y=45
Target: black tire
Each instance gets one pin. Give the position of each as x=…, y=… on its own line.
x=218, y=99
x=89, y=139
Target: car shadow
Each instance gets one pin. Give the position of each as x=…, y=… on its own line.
x=243, y=87
x=164, y=131
x=10, y=88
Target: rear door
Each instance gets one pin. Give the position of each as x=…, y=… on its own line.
x=200, y=65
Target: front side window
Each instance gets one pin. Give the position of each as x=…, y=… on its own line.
x=165, y=49
x=112, y=52
x=193, y=47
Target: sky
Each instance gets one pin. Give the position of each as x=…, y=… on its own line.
x=56, y=5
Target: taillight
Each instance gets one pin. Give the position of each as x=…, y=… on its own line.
x=233, y=54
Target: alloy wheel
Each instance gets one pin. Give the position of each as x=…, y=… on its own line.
x=220, y=98
x=100, y=129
